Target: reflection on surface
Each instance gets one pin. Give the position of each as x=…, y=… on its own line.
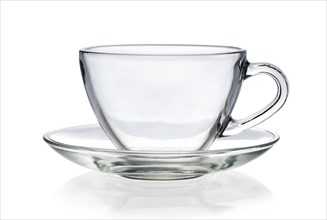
x=99, y=195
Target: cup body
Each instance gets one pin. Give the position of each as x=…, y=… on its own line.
x=163, y=97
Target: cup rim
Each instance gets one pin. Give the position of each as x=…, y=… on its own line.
x=214, y=50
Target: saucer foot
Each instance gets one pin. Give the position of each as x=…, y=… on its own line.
x=157, y=172
x=160, y=176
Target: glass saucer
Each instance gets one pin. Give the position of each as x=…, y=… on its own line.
x=89, y=146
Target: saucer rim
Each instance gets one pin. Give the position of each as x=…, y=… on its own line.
x=63, y=146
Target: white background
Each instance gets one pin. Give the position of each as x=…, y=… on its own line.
x=41, y=90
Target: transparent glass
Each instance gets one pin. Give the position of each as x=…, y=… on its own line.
x=171, y=97
x=90, y=147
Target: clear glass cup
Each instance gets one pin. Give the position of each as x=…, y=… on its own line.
x=171, y=97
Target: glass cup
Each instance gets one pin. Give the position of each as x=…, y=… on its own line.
x=171, y=97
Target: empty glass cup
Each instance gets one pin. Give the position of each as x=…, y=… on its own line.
x=171, y=97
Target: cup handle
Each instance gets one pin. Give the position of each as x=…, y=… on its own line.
x=237, y=126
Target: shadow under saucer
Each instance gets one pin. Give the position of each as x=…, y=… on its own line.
x=102, y=195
